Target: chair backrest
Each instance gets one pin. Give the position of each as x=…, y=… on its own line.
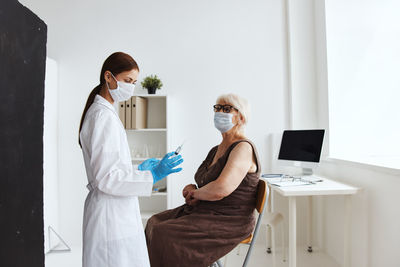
x=262, y=193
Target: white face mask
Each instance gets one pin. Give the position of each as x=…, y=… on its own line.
x=123, y=92
x=223, y=121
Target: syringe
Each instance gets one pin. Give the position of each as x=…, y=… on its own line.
x=179, y=149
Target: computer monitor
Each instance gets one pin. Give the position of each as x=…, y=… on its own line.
x=301, y=148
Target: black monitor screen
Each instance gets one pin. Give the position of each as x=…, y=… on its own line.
x=301, y=145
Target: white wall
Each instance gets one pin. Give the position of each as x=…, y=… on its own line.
x=302, y=64
x=375, y=217
x=50, y=147
x=200, y=49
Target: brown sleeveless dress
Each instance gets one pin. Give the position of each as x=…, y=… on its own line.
x=199, y=235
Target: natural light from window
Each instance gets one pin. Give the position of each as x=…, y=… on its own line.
x=363, y=51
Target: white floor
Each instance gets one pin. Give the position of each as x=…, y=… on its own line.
x=65, y=259
x=259, y=258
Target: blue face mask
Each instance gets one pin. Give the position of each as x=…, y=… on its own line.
x=223, y=121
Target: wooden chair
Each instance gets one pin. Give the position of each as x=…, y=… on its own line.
x=262, y=195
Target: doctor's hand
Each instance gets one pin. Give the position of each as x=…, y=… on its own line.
x=148, y=164
x=166, y=166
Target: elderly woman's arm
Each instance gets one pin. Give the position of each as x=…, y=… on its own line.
x=236, y=168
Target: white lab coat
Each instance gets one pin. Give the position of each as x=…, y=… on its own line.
x=113, y=233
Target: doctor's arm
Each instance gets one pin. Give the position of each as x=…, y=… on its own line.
x=236, y=168
x=114, y=174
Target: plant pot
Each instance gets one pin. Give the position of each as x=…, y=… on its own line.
x=151, y=91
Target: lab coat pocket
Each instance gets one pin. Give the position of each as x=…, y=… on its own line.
x=122, y=213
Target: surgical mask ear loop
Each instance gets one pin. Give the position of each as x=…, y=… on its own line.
x=239, y=121
x=108, y=87
x=113, y=77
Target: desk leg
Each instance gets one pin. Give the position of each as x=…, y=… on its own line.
x=292, y=232
x=347, y=232
x=309, y=223
x=271, y=208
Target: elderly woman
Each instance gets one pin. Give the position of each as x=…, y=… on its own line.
x=218, y=213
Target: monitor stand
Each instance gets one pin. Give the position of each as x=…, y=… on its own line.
x=307, y=171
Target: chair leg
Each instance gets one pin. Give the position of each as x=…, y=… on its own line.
x=273, y=246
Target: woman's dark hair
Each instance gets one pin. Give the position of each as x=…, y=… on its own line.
x=116, y=63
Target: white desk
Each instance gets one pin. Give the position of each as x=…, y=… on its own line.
x=324, y=188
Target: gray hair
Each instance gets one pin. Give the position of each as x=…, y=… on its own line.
x=238, y=102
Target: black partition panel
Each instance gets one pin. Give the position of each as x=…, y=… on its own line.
x=23, y=38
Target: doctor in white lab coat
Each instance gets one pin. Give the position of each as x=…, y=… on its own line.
x=113, y=234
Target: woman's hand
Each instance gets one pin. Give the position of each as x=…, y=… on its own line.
x=186, y=192
x=188, y=188
x=190, y=199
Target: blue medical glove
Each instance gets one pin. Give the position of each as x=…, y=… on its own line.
x=166, y=166
x=148, y=164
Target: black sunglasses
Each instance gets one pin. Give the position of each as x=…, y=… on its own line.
x=225, y=108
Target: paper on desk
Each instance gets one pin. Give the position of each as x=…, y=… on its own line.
x=273, y=180
x=290, y=183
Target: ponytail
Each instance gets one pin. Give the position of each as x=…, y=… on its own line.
x=89, y=102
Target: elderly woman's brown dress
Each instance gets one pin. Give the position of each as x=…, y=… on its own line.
x=200, y=235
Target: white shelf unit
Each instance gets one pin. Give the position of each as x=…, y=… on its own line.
x=151, y=142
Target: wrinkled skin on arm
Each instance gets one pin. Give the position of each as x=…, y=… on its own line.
x=238, y=165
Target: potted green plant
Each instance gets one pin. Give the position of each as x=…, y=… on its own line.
x=152, y=83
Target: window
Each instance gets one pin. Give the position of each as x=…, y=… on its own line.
x=363, y=53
